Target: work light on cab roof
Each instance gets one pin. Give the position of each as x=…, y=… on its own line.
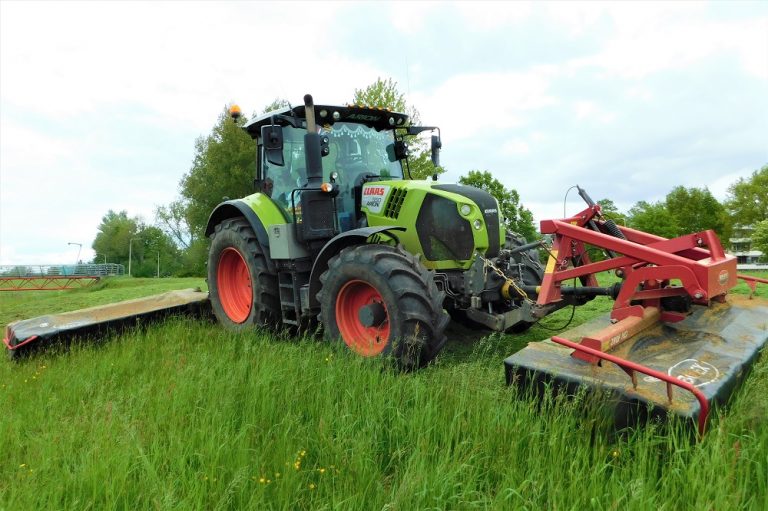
x=235, y=112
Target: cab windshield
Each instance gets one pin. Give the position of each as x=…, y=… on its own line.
x=356, y=151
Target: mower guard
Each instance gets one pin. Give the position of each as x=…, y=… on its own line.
x=97, y=320
x=712, y=349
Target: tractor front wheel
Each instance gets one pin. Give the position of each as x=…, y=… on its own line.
x=380, y=300
x=242, y=290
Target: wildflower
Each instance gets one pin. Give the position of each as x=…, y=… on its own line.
x=277, y=474
x=615, y=453
x=303, y=453
x=22, y=465
x=321, y=470
x=312, y=486
x=262, y=480
x=297, y=465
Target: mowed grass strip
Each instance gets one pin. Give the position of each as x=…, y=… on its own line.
x=184, y=415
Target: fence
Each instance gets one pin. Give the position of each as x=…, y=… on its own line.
x=48, y=277
x=48, y=270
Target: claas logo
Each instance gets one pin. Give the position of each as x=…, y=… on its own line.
x=374, y=190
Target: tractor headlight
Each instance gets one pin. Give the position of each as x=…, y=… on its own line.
x=478, y=224
x=465, y=209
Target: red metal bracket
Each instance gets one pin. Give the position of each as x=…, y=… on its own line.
x=751, y=282
x=630, y=367
x=7, y=342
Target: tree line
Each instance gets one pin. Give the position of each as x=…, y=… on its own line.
x=224, y=166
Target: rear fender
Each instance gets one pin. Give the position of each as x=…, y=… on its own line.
x=258, y=210
x=336, y=245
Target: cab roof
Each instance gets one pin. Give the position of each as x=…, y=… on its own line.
x=377, y=118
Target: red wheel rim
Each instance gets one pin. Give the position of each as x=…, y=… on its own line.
x=364, y=340
x=234, y=282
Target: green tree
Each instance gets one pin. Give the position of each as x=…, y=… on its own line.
x=695, y=210
x=384, y=94
x=277, y=104
x=516, y=217
x=153, y=250
x=653, y=218
x=747, y=199
x=120, y=236
x=760, y=238
x=610, y=210
x=172, y=219
x=113, y=237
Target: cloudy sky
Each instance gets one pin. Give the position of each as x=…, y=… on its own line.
x=100, y=103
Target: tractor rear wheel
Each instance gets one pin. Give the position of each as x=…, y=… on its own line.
x=380, y=300
x=242, y=290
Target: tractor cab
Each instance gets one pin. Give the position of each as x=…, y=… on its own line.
x=359, y=144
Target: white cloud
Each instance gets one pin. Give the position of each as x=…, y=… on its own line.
x=499, y=101
x=650, y=41
x=516, y=146
x=485, y=15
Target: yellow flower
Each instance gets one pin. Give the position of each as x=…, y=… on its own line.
x=22, y=465
x=262, y=480
x=321, y=470
x=312, y=486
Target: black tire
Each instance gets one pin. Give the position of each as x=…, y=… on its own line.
x=236, y=262
x=411, y=326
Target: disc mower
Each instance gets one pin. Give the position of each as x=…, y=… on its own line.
x=673, y=324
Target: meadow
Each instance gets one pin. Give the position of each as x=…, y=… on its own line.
x=184, y=415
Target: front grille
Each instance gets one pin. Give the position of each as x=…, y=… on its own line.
x=488, y=206
x=443, y=233
x=395, y=202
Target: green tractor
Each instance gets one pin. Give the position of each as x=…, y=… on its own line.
x=338, y=234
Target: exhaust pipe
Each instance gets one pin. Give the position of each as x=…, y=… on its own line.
x=312, y=149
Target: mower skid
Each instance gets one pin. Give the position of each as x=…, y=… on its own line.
x=712, y=350
x=29, y=333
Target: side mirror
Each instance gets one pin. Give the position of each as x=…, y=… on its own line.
x=436, y=145
x=397, y=151
x=272, y=139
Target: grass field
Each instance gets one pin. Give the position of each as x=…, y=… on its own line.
x=183, y=415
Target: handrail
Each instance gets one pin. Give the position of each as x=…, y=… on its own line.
x=630, y=367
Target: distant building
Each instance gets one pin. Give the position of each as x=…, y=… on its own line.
x=741, y=247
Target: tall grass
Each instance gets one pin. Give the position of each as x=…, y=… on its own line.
x=187, y=416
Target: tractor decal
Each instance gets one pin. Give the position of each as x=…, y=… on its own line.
x=373, y=197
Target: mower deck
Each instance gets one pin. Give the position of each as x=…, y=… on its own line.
x=27, y=333
x=712, y=349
